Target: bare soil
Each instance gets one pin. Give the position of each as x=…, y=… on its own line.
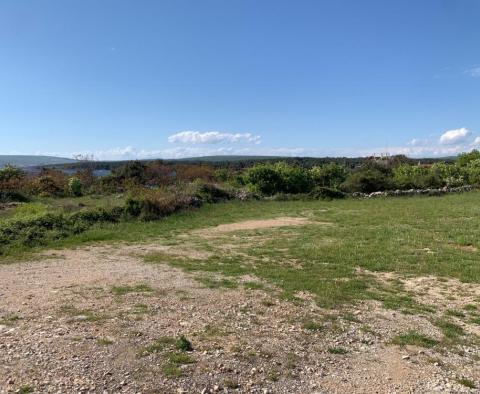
x=64, y=329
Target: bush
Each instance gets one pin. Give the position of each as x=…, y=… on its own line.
x=473, y=172
x=465, y=158
x=269, y=179
x=326, y=193
x=75, y=187
x=12, y=196
x=406, y=176
x=366, y=181
x=154, y=204
x=9, y=172
x=38, y=230
x=263, y=179
x=330, y=175
x=294, y=179
x=212, y=193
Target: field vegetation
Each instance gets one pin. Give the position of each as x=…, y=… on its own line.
x=294, y=264
x=52, y=205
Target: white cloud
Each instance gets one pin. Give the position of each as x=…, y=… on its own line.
x=196, y=144
x=212, y=137
x=455, y=136
x=474, y=72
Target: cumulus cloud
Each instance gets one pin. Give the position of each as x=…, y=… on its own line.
x=455, y=136
x=212, y=137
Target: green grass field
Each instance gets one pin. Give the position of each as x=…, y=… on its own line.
x=331, y=257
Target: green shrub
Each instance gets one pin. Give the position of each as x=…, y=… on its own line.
x=9, y=172
x=326, y=193
x=12, y=196
x=473, y=171
x=270, y=179
x=329, y=175
x=406, y=176
x=75, y=187
x=39, y=230
x=211, y=193
x=184, y=344
x=294, y=179
x=154, y=204
x=465, y=158
x=264, y=179
x=366, y=181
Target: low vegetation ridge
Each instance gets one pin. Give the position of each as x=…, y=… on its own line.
x=32, y=161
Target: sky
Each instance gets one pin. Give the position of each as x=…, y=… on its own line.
x=124, y=79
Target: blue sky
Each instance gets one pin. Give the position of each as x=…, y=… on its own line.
x=172, y=78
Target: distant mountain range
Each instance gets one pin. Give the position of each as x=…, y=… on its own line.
x=39, y=161
x=32, y=161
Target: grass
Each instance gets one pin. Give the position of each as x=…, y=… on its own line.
x=337, y=350
x=467, y=383
x=414, y=338
x=104, y=342
x=182, y=344
x=313, y=326
x=9, y=320
x=450, y=330
x=159, y=345
x=25, y=389
x=407, y=236
x=455, y=313
x=81, y=315
x=140, y=288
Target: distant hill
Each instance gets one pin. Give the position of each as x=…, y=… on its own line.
x=32, y=161
x=225, y=158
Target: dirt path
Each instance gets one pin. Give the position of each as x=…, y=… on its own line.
x=82, y=321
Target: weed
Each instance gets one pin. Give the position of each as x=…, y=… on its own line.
x=253, y=285
x=414, y=338
x=184, y=344
x=9, y=320
x=467, y=383
x=25, y=389
x=337, y=350
x=140, y=288
x=312, y=326
x=451, y=331
x=455, y=313
x=351, y=317
x=213, y=283
x=171, y=370
x=231, y=384
x=180, y=358
x=104, y=342
x=157, y=346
